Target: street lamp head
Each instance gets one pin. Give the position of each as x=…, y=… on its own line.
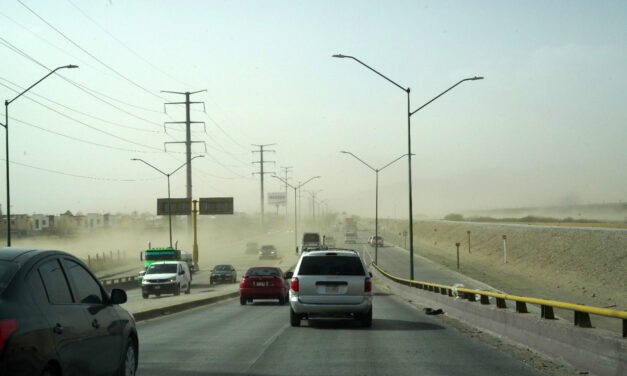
x=134, y=159
x=343, y=151
x=339, y=55
x=477, y=78
x=71, y=66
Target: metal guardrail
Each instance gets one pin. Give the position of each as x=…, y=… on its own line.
x=115, y=281
x=581, y=312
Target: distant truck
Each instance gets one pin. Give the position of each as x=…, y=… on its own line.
x=152, y=255
x=311, y=240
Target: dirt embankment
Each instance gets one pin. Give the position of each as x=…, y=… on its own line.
x=577, y=265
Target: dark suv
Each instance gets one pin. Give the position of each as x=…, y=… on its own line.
x=223, y=273
x=56, y=319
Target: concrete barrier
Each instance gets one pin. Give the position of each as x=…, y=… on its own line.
x=599, y=351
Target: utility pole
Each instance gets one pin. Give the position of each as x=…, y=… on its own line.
x=286, y=169
x=261, y=173
x=188, y=139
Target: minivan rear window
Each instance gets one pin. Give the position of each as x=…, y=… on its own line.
x=331, y=265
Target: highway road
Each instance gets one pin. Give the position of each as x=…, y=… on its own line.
x=230, y=339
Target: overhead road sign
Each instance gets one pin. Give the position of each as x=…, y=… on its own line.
x=179, y=206
x=277, y=198
x=215, y=205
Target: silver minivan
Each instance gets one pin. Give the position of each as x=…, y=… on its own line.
x=331, y=283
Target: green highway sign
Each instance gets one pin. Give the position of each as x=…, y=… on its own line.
x=215, y=205
x=179, y=206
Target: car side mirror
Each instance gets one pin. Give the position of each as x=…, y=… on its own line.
x=288, y=275
x=182, y=272
x=141, y=273
x=118, y=296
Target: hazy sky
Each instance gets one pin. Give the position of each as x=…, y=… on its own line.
x=546, y=126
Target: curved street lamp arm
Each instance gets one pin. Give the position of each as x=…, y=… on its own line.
x=181, y=166
x=359, y=159
x=141, y=160
x=404, y=155
x=288, y=184
x=372, y=69
x=315, y=177
x=8, y=102
x=444, y=92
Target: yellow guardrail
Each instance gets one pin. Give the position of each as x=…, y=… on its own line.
x=582, y=312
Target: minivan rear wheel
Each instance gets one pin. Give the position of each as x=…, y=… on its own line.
x=294, y=318
x=366, y=319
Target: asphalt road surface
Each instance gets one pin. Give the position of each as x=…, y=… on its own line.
x=230, y=339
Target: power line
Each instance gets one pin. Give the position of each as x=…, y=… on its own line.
x=78, y=139
x=81, y=87
x=88, y=53
x=74, y=110
x=75, y=175
x=125, y=46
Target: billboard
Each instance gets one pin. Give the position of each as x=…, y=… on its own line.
x=277, y=198
x=215, y=205
x=180, y=206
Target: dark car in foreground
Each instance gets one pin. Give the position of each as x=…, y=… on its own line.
x=223, y=273
x=263, y=282
x=56, y=318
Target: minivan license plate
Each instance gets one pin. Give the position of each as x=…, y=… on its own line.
x=332, y=289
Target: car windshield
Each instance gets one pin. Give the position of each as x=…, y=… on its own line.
x=483, y=142
x=7, y=269
x=162, y=269
x=331, y=265
x=262, y=271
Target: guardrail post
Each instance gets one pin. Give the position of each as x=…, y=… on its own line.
x=485, y=299
x=500, y=303
x=546, y=312
x=471, y=297
x=582, y=320
x=624, y=328
x=449, y=292
x=521, y=307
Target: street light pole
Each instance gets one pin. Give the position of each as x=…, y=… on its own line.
x=409, y=154
x=168, y=177
x=6, y=127
x=295, y=188
x=376, y=210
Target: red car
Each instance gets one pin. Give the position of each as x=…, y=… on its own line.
x=263, y=282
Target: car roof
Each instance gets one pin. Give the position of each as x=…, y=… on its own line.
x=337, y=251
x=23, y=255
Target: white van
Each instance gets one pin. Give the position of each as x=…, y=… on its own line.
x=166, y=277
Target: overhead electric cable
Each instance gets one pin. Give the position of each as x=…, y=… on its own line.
x=90, y=54
x=75, y=175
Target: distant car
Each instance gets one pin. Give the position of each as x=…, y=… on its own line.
x=375, y=240
x=263, y=282
x=331, y=283
x=56, y=318
x=268, y=252
x=166, y=277
x=252, y=247
x=223, y=273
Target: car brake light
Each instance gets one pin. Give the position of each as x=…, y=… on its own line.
x=6, y=328
x=294, y=284
x=367, y=285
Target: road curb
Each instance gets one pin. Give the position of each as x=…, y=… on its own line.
x=164, y=311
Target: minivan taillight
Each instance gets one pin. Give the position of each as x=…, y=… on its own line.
x=6, y=328
x=367, y=285
x=294, y=284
